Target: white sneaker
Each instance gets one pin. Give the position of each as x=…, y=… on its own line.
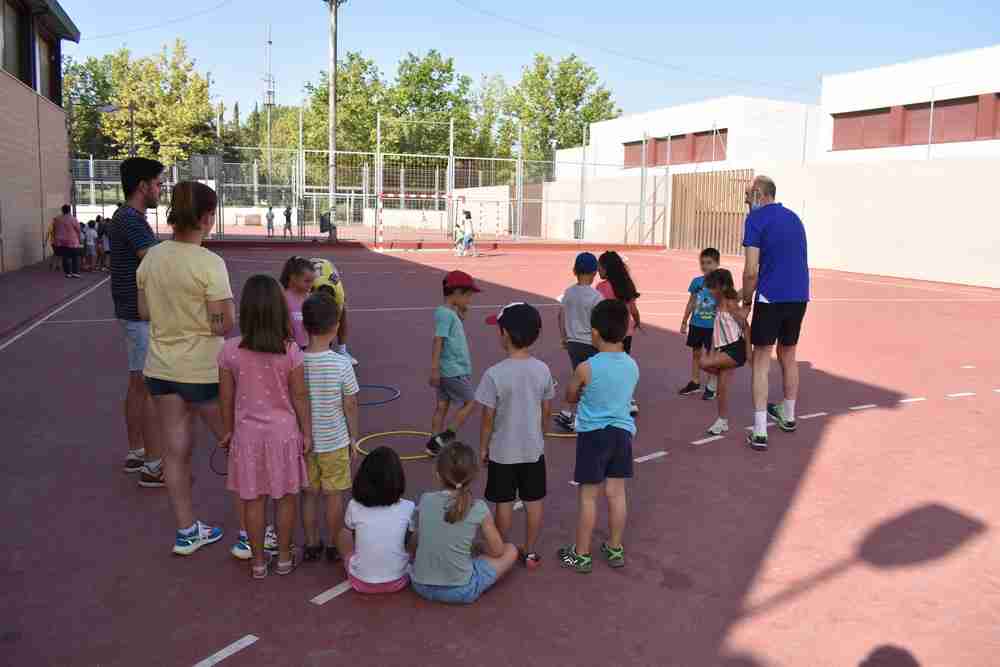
x=270, y=539
x=719, y=427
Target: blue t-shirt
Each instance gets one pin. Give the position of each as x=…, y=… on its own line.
x=704, y=304
x=784, y=265
x=455, y=359
x=605, y=401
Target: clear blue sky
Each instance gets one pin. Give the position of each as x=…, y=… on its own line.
x=784, y=42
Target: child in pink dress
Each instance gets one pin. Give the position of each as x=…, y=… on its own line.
x=297, y=278
x=265, y=405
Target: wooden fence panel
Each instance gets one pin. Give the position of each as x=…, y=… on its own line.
x=708, y=209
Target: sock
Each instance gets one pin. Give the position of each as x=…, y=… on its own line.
x=760, y=422
x=136, y=453
x=153, y=465
x=713, y=382
x=342, y=348
x=244, y=536
x=789, y=410
x=192, y=530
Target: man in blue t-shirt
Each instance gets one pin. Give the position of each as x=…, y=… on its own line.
x=777, y=269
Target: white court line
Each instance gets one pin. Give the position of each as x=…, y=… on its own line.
x=704, y=441
x=328, y=595
x=867, y=406
x=915, y=399
x=111, y=319
x=815, y=415
x=961, y=394
x=650, y=457
x=968, y=367
x=55, y=312
x=997, y=391
x=232, y=649
x=574, y=483
x=518, y=505
x=396, y=309
x=925, y=288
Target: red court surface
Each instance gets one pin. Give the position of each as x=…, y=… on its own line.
x=869, y=533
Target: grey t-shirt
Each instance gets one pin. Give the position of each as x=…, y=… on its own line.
x=444, y=550
x=515, y=388
x=577, y=302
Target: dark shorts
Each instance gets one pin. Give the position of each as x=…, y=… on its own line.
x=603, y=454
x=66, y=251
x=579, y=352
x=506, y=482
x=777, y=323
x=736, y=351
x=699, y=337
x=627, y=345
x=189, y=391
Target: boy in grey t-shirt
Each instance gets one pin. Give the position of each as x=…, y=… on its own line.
x=516, y=396
x=578, y=302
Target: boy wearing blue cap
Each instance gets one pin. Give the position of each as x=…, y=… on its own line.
x=574, y=320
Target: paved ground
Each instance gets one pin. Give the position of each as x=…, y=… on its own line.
x=868, y=532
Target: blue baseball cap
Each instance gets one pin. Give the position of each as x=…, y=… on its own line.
x=585, y=263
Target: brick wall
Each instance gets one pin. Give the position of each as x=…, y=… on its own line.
x=34, y=175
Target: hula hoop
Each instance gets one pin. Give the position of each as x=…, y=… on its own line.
x=385, y=434
x=394, y=395
x=211, y=461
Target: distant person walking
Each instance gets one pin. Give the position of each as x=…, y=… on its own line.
x=66, y=241
x=269, y=216
x=777, y=268
x=130, y=238
x=288, y=221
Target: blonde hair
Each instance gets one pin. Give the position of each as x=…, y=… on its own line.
x=189, y=202
x=457, y=466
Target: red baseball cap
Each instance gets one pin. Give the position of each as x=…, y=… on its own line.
x=460, y=280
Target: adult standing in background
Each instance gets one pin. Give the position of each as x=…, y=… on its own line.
x=66, y=241
x=130, y=238
x=288, y=220
x=777, y=268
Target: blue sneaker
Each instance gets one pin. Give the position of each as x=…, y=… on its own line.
x=185, y=545
x=241, y=549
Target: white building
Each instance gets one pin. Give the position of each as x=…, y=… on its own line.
x=885, y=113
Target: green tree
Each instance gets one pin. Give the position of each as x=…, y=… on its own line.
x=429, y=93
x=493, y=131
x=87, y=86
x=553, y=102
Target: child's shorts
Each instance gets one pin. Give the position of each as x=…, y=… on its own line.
x=456, y=390
x=330, y=471
x=483, y=578
x=736, y=351
x=377, y=589
x=579, y=352
x=91, y=250
x=192, y=392
x=506, y=482
x=699, y=337
x=603, y=454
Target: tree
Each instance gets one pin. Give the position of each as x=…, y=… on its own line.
x=87, y=86
x=429, y=93
x=554, y=102
x=493, y=132
x=361, y=94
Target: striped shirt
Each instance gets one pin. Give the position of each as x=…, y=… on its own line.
x=330, y=377
x=130, y=234
x=726, y=331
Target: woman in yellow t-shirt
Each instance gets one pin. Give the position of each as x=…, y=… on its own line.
x=328, y=278
x=185, y=294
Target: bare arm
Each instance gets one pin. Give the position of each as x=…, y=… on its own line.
x=351, y=412
x=546, y=411
x=227, y=405
x=633, y=309
x=486, y=433
x=491, y=537
x=562, y=327
x=436, y=361
x=299, y=393
x=579, y=380
x=751, y=270
x=688, y=310
x=143, y=306
x=221, y=316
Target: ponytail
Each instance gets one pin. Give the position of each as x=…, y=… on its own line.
x=293, y=267
x=189, y=203
x=722, y=280
x=457, y=467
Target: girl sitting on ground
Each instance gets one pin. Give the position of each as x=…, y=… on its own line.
x=448, y=521
x=729, y=346
x=377, y=524
x=297, y=278
x=265, y=408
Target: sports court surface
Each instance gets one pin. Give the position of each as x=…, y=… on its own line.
x=872, y=526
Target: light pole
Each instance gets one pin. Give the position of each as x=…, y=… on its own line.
x=114, y=108
x=332, y=93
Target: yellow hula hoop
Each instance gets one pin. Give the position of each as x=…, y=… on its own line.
x=423, y=434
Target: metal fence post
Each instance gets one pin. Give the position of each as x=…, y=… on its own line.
x=519, y=185
x=256, y=198
x=642, y=187
x=379, y=232
x=583, y=180
x=451, y=177
x=90, y=166
x=402, y=188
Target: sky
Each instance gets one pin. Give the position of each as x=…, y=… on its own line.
x=650, y=54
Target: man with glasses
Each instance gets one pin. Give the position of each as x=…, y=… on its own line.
x=777, y=269
x=131, y=236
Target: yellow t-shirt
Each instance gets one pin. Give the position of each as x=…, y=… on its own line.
x=178, y=279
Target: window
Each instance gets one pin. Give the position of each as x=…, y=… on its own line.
x=15, y=43
x=633, y=154
x=45, y=67
x=996, y=110
x=955, y=120
x=862, y=129
x=710, y=146
x=673, y=150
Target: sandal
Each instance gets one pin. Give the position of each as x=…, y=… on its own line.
x=312, y=552
x=530, y=559
x=259, y=571
x=286, y=567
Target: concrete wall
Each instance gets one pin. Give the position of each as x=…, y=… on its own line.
x=34, y=171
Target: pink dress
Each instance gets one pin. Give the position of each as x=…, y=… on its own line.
x=265, y=455
x=295, y=302
x=608, y=292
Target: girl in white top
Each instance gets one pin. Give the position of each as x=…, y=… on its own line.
x=377, y=524
x=729, y=345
